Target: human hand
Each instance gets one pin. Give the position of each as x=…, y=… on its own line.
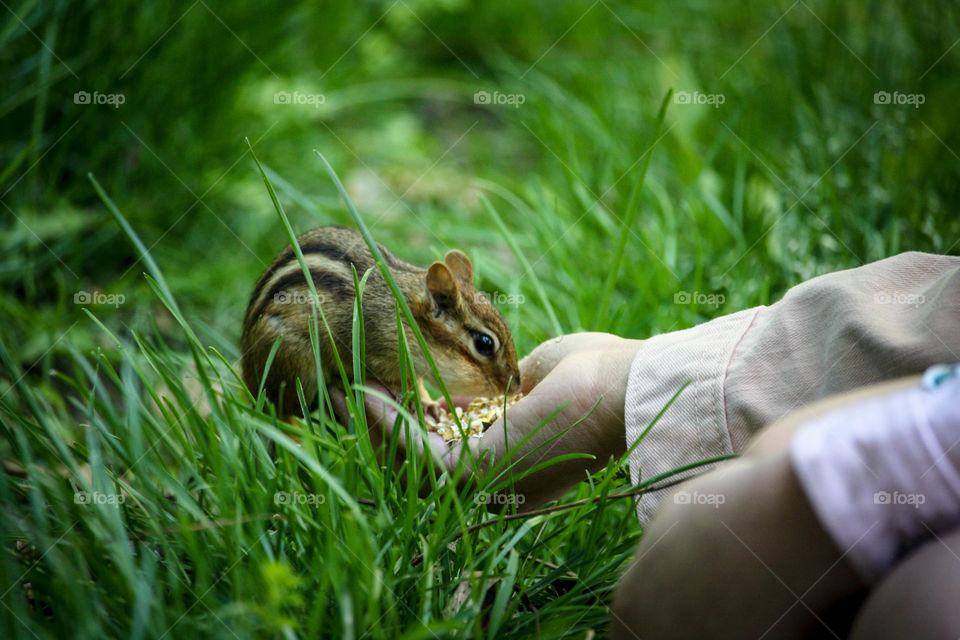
x=583, y=375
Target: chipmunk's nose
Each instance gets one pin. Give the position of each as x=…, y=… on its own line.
x=510, y=376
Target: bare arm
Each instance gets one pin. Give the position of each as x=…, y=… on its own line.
x=739, y=552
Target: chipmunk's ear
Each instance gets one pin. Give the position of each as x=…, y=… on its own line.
x=442, y=285
x=460, y=264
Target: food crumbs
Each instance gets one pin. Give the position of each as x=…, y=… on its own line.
x=480, y=414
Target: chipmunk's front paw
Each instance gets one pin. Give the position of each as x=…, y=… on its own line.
x=432, y=410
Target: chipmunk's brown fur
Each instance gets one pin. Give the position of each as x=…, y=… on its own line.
x=451, y=314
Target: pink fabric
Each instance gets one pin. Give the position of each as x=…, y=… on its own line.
x=884, y=474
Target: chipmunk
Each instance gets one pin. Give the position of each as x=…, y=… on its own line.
x=466, y=335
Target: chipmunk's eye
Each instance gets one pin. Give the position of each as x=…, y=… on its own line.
x=483, y=344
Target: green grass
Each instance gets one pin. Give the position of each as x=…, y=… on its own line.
x=576, y=202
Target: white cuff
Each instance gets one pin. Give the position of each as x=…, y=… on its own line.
x=694, y=427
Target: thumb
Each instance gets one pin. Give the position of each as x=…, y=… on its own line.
x=538, y=364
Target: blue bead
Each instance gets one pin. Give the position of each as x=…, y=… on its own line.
x=938, y=374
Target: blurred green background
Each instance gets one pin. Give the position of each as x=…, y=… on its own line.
x=797, y=172
x=800, y=139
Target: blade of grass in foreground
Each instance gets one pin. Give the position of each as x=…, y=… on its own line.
x=166, y=294
x=315, y=305
x=527, y=268
x=381, y=264
x=630, y=215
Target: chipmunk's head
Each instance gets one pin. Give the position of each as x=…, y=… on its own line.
x=468, y=337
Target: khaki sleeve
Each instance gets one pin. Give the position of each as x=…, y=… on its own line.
x=839, y=331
